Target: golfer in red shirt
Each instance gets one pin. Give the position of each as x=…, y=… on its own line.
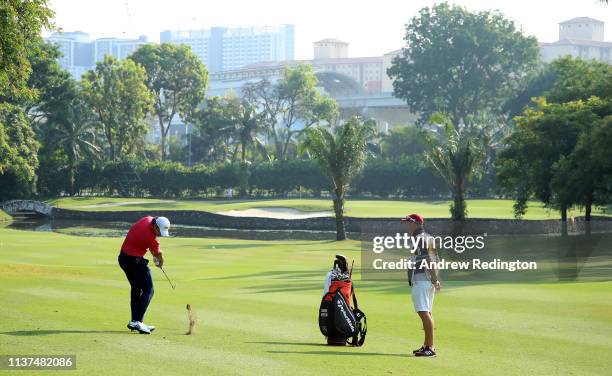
x=140, y=238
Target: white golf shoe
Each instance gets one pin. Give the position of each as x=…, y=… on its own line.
x=151, y=327
x=140, y=327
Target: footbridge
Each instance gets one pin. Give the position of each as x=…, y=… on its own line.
x=26, y=207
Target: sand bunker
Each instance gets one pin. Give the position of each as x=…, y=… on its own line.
x=279, y=213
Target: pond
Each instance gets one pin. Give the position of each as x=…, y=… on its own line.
x=119, y=229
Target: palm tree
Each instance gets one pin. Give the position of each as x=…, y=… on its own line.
x=341, y=156
x=247, y=126
x=455, y=155
x=75, y=135
x=212, y=132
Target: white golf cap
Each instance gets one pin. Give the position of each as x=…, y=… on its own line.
x=164, y=225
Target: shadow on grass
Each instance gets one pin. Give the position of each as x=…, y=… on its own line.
x=319, y=352
x=275, y=274
x=262, y=237
x=44, y=332
x=72, y=198
x=353, y=353
x=435, y=202
x=228, y=246
x=289, y=343
x=156, y=206
x=262, y=244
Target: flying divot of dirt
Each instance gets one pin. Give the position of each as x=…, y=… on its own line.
x=192, y=320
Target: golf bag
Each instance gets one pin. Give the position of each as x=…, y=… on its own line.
x=340, y=319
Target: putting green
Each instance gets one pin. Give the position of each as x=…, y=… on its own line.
x=489, y=208
x=257, y=305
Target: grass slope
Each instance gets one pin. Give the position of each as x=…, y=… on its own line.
x=356, y=208
x=5, y=217
x=257, y=306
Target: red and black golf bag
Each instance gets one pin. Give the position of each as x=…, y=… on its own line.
x=340, y=319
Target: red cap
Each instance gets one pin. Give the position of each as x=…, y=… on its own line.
x=413, y=218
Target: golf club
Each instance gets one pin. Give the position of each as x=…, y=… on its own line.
x=168, y=278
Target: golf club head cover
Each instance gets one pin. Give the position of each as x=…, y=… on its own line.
x=341, y=263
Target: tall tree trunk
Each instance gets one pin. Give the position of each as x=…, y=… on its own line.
x=286, y=144
x=163, y=146
x=162, y=135
x=458, y=207
x=234, y=154
x=106, y=128
x=279, y=151
x=111, y=149
x=72, y=168
x=587, y=214
x=339, y=211
x=244, y=177
x=563, y=220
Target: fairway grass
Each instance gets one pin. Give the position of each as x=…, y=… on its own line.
x=486, y=208
x=257, y=305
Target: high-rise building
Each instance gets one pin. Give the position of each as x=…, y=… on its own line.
x=222, y=48
x=119, y=48
x=580, y=37
x=76, y=49
x=80, y=54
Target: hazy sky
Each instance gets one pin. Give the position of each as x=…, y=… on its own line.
x=371, y=27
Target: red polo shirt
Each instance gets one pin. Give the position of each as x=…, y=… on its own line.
x=140, y=238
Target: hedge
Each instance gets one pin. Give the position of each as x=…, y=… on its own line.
x=138, y=178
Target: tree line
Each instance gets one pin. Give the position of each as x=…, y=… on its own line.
x=501, y=115
x=493, y=121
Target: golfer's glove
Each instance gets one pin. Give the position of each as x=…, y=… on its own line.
x=156, y=260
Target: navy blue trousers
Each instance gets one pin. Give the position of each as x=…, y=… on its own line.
x=138, y=273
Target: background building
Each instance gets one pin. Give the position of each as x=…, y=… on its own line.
x=80, y=54
x=579, y=37
x=77, y=51
x=360, y=85
x=330, y=55
x=387, y=83
x=330, y=49
x=120, y=48
x=222, y=48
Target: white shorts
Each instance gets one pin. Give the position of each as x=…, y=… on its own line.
x=422, y=295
